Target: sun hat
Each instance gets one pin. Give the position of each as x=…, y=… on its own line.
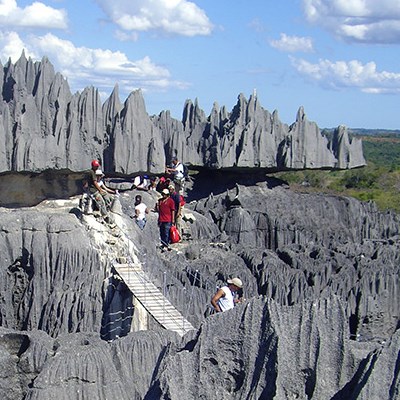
x=165, y=191
x=236, y=281
x=99, y=172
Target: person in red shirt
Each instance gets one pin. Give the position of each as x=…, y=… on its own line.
x=166, y=217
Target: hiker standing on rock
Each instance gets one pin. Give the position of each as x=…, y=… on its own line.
x=176, y=197
x=140, y=212
x=166, y=217
x=177, y=172
x=223, y=300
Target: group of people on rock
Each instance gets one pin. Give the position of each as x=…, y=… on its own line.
x=168, y=207
x=173, y=174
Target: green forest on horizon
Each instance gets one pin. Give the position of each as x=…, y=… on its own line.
x=378, y=181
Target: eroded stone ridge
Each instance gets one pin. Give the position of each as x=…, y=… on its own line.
x=43, y=126
x=320, y=320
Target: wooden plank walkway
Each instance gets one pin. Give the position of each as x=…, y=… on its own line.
x=152, y=298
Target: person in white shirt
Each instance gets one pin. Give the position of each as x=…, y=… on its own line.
x=223, y=300
x=177, y=172
x=141, y=182
x=140, y=212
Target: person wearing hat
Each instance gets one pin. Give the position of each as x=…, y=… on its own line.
x=166, y=217
x=224, y=300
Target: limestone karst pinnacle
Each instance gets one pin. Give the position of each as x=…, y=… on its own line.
x=43, y=126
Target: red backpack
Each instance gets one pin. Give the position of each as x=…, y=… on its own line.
x=174, y=236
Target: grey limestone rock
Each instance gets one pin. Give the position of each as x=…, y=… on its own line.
x=50, y=273
x=43, y=126
x=22, y=355
x=320, y=272
x=320, y=319
x=263, y=350
x=78, y=366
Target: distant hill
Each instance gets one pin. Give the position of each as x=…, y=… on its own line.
x=366, y=132
x=374, y=132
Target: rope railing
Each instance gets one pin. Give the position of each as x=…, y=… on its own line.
x=173, y=285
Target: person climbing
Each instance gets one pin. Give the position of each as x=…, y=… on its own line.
x=177, y=172
x=166, y=217
x=223, y=300
x=140, y=212
x=97, y=193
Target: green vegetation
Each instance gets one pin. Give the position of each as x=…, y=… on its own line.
x=379, y=181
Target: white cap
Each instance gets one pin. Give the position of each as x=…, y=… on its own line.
x=236, y=281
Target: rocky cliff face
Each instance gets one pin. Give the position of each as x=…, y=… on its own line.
x=271, y=352
x=321, y=319
x=321, y=275
x=43, y=126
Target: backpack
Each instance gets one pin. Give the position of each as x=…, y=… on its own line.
x=174, y=235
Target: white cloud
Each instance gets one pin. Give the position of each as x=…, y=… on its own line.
x=367, y=21
x=180, y=17
x=36, y=15
x=11, y=46
x=80, y=65
x=292, y=44
x=349, y=74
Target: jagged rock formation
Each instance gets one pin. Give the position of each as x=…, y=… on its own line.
x=321, y=273
x=275, y=352
x=50, y=274
x=321, y=320
x=271, y=352
x=43, y=126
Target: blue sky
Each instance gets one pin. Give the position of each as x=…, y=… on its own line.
x=336, y=58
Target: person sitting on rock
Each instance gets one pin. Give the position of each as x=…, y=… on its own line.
x=141, y=182
x=97, y=192
x=223, y=300
x=140, y=212
x=166, y=217
x=107, y=193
